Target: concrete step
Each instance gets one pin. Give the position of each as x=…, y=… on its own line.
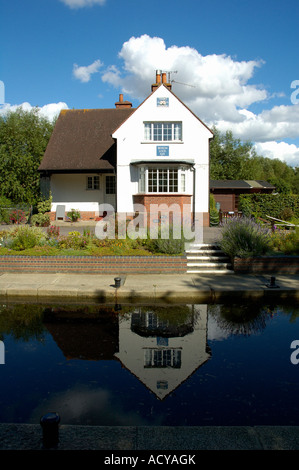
x=207, y=258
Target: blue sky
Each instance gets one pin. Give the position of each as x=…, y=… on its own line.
x=232, y=62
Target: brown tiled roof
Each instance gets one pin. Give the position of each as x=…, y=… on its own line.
x=81, y=140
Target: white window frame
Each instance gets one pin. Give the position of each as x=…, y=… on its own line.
x=163, y=131
x=164, y=181
x=92, y=183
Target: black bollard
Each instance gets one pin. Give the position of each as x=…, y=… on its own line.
x=50, y=426
x=272, y=284
x=117, y=281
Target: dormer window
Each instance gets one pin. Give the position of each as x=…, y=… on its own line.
x=163, y=131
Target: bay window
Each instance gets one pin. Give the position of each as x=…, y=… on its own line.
x=162, y=180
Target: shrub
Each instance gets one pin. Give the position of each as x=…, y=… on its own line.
x=4, y=209
x=40, y=220
x=44, y=205
x=167, y=245
x=286, y=214
x=53, y=231
x=214, y=217
x=27, y=237
x=17, y=216
x=243, y=237
x=74, y=215
x=73, y=240
x=285, y=241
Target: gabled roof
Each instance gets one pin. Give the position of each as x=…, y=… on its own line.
x=240, y=184
x=82, y=141
x=170, y=91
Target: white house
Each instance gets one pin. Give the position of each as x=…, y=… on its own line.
x=157, y=153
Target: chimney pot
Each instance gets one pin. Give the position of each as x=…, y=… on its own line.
x=121, y=103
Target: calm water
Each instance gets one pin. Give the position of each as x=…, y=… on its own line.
x=142, y=365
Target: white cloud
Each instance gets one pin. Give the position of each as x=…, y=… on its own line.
x=212, y=78
x=82, y=3
x=49, y=111
x=281, y=150
x=83, y=73
x=215, y=87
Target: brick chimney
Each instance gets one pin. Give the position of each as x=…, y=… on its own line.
x=123, y=104
x=161, y=79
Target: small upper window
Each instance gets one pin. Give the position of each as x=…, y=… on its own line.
x=93, y=182
x=163, y=131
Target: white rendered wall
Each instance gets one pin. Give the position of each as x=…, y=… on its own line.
x=132, y=146
x=70, y=190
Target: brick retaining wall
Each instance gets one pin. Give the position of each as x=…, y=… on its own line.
x=267, y=265
x=95, y=264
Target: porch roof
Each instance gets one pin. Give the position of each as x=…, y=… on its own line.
x=82, y=140
x=162, y=161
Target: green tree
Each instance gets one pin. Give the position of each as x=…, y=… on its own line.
x=23, y=139
x=232, y=159
x=229, y=156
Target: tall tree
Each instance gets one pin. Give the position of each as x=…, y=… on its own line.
x=232, y=159
x=23, y=139
x=229, y=156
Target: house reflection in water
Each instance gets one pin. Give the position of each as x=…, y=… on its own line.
x=163, y=349
x=161, y=346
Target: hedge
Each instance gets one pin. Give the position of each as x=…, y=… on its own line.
x=273, y=205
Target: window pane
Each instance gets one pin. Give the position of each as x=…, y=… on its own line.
x=157, y=127
x=141, y=180
x=167, y=131
x=173, y=181
x=147, y=131
x=152, y=181
x=162, y=181
x=110, y=184
x=183, y=182
x=96, y=182
x=89, y=182
x=177, y=131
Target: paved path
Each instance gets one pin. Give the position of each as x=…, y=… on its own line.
x=146, y=287
x=149, y=438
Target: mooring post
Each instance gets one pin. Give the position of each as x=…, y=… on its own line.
x=50, y=426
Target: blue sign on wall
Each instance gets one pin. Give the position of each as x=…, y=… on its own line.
x=162, y=150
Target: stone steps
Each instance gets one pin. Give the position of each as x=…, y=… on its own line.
x=207, y=258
